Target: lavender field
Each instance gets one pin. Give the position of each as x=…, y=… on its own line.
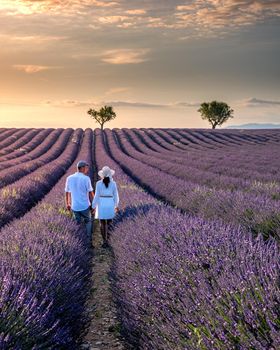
x=195, y=243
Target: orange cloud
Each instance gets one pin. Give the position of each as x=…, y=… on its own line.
x=31, y=69
x=136, y=12
x=28, y=7
x=112, y=19
x=125, y=56
x=216, y=14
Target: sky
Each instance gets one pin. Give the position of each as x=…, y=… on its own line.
x=154, y=61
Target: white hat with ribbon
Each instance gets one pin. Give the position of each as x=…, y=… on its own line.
x=106, y=172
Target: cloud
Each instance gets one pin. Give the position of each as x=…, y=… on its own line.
x=125, y=56
x=198, y=18
x=153, y=105
x=136, y=12
x=112, y=19
x=104, y=3
x=116, y=90
x=60, y=7
x=256, y=102
x=69, y=103
x=219, y=14
x=31, y=69
x=131, y=104
x=33, y=39
x=135, y=104
x=116, y=56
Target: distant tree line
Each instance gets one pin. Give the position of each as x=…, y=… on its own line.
x=217, y=113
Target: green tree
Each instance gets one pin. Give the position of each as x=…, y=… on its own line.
x=217, y=113
x=104, y=115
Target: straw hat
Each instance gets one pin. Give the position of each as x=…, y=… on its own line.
x=106, y=172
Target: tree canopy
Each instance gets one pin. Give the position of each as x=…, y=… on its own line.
x=104, y=115
x=217, y=113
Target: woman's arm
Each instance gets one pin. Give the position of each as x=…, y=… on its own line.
x=96, y=196
x=116, y=195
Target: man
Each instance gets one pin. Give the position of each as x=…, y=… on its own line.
x=79, y=196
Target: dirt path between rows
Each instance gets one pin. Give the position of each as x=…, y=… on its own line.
x=103, y=332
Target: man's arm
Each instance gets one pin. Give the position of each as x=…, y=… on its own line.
x=91, y=196
x=90, y=192
x=68, y=200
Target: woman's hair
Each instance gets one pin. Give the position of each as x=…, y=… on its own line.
x=106, y=181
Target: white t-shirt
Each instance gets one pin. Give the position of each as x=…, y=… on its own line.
x=79, y=185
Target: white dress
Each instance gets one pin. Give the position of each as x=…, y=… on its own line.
x=105, y=200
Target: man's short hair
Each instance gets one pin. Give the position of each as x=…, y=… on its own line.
x=81, y=164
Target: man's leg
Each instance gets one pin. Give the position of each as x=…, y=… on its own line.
x=77, y=216
x=87, y=217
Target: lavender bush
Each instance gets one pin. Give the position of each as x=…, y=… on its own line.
x=182, y=282
x=12, y=139
x=249, y=161
x=206, y=280
x=34, y=150
x=12, y=174
x=255, y=212
x=45, y=273
x=17, y=198
x=188, y=171
x=25, y=144
x=185, y=283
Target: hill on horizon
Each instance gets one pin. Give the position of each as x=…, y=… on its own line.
x=254, y=126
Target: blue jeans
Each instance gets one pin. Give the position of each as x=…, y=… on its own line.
x=86, y=217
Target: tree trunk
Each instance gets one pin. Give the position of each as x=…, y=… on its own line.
x=101, y=126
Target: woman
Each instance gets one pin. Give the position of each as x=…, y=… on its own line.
x=106, y=201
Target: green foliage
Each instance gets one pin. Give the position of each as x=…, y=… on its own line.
x=266, y=226
x=217, y=113
x=105, y=114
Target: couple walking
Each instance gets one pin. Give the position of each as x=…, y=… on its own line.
x=83, y=202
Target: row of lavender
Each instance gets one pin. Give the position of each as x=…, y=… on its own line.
x=219, y=137
x=45, y=270
x=17, y=198
x=7, y=137
x=21, y=145
x=18, y=138
x=12, y=174
x=188, y=170
x=179, y=139
x=256, y=212
x=262, y=159
x=32, y=150
x=183, y=282
x=196, y=167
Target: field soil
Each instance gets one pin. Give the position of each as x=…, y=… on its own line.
x=103, y=332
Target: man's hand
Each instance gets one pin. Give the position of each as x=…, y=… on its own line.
x=92, y=210
x=117, y=209
x=68, y=200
